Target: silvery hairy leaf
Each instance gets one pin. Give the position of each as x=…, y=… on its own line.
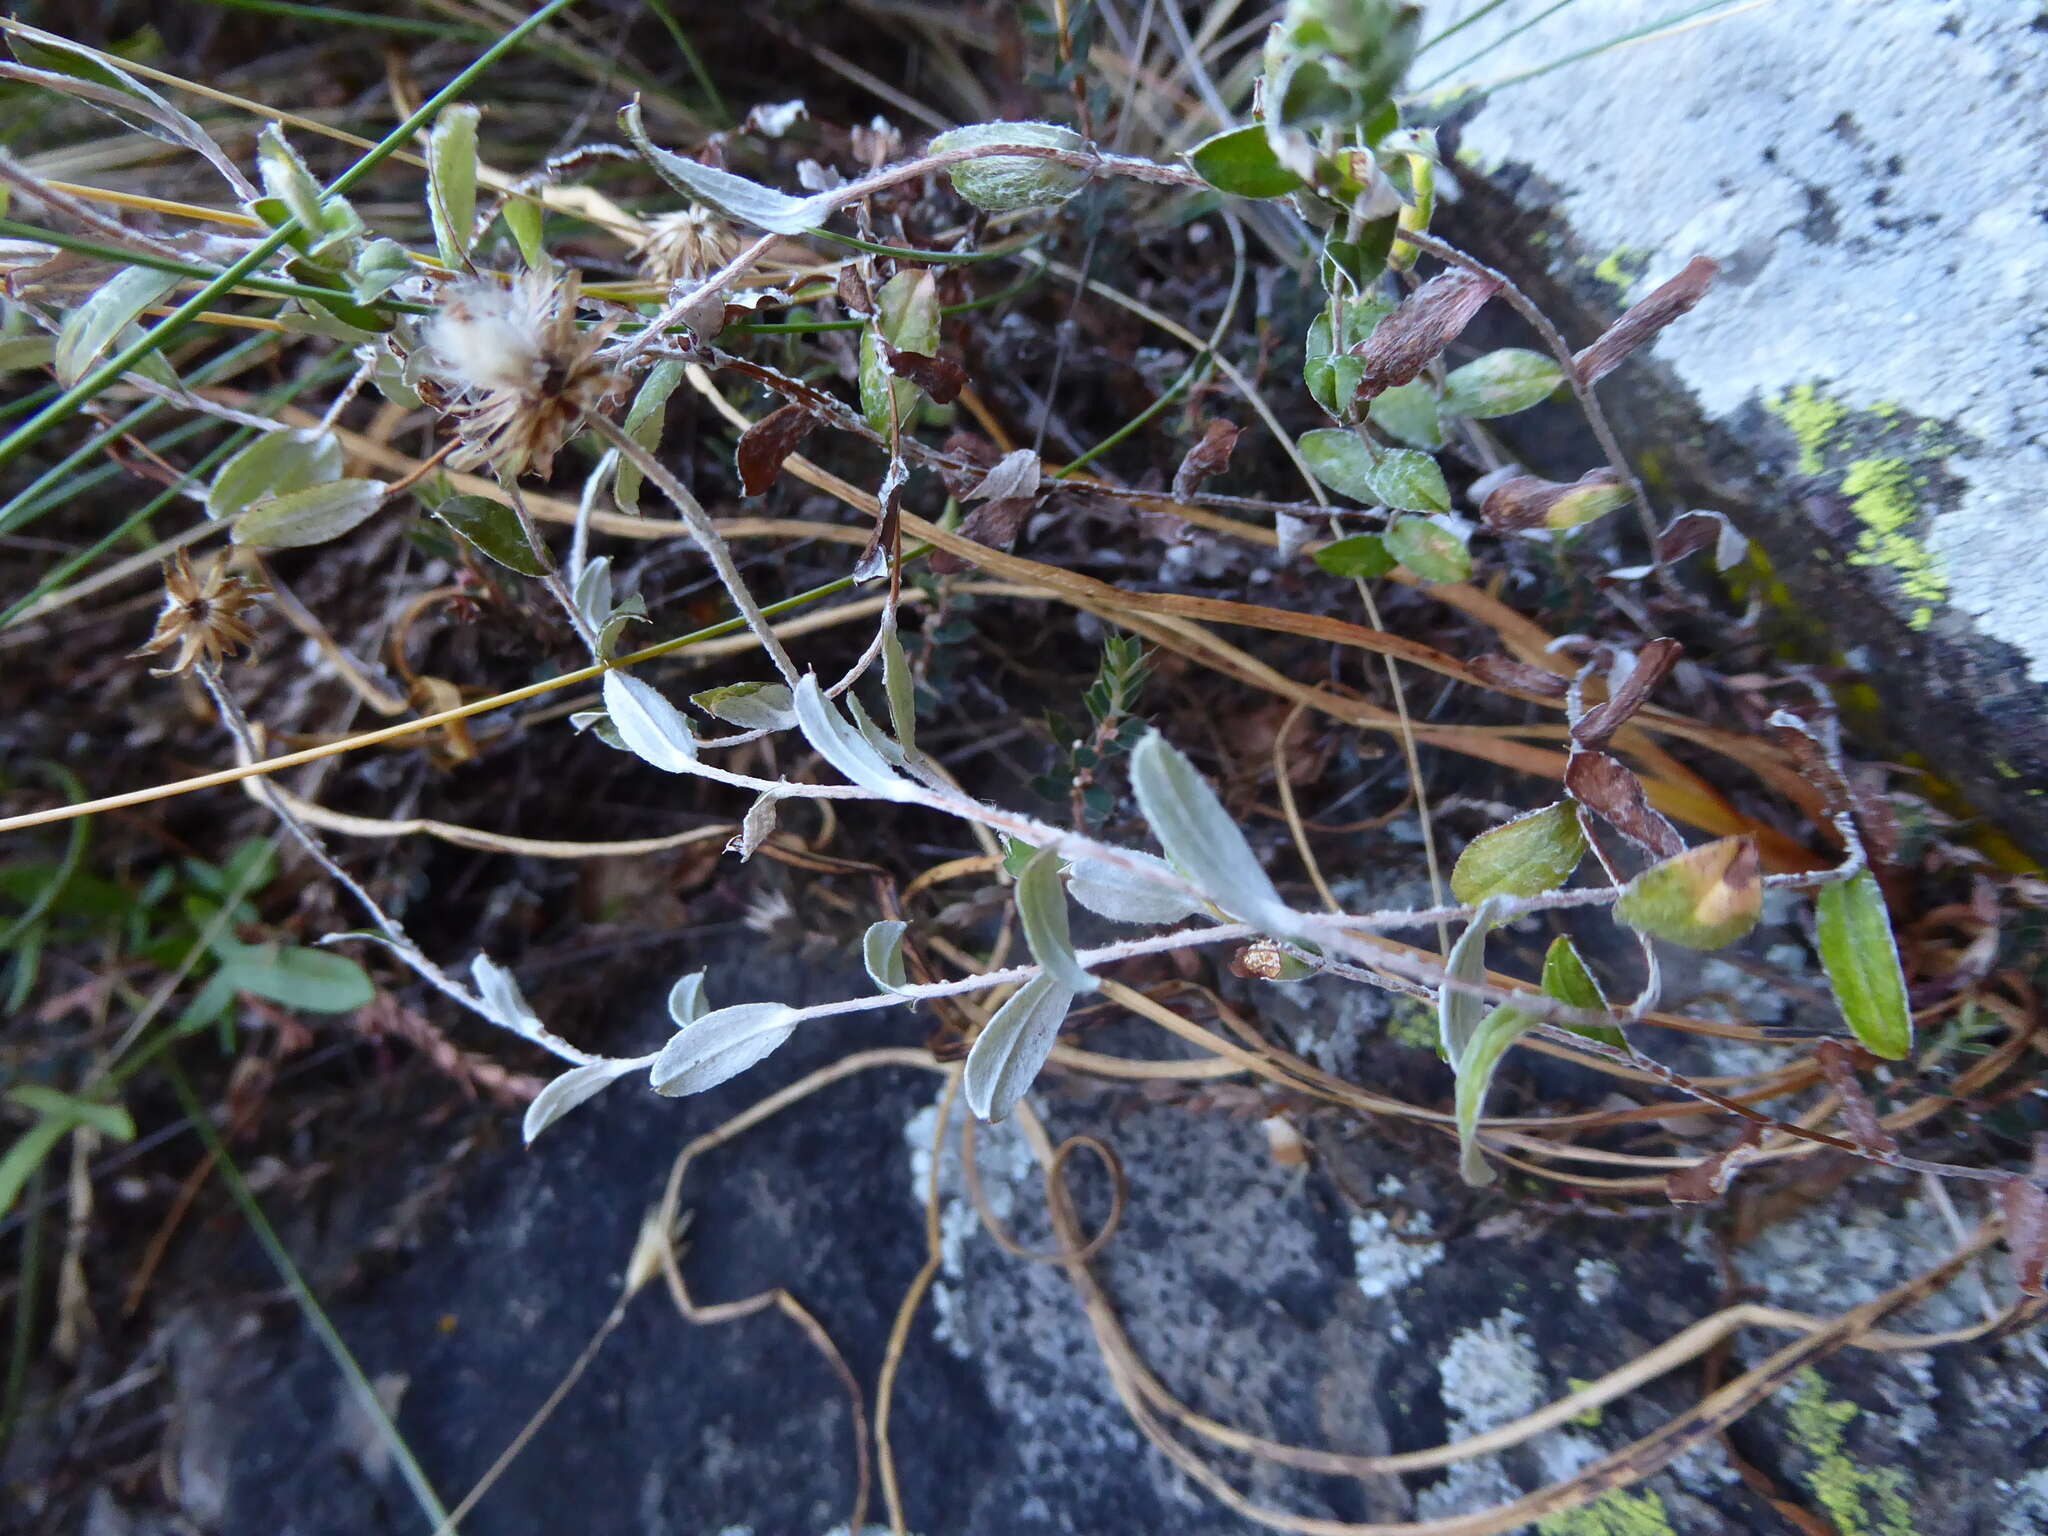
x=1111, y=891
x=720, y=1045
x=734, y=196
x=593, y=591
x=502, y=999
x=653, y=729
x=902, y=692
x=103, y=321
x=315, y=515
x=274, y=463
x=755, y=827
x=566, y=1092
x=881, y=950
x=686, y=1000
x=1012, y=1047
x=1202, y=839
x=750, y=706
x=842, y=746
x=1042, y=912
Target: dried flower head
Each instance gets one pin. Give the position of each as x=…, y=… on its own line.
x=688, y=244
x=521, y=375
x=200, y=617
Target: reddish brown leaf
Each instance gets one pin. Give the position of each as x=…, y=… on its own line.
x=768, y=442
x=1644, y=320
x=1502, y=672
x=981, y=456
x=884, y=542
x=1211, y=456
x=1690, y=532
x=1709, y=1179
x=1605, y=786
x=939, y=377
x=1652, y=662
x=853, y=295
x=1816, y=755
x=1416, y=333
x=1865, y=1129
x=1526, y=501
x=994, y=523
x=2026, y=1221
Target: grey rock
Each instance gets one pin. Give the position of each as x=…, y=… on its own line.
x=1862, y=389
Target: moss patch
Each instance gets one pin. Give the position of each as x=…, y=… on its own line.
x=1862, y=1501
x=1619, y=1513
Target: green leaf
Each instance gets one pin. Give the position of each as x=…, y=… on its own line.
x=493, y=528
x=1362, y=557
x=1458, y=1013
x=1331, y=373
x=1011, y=1049
x=110, y=1120
x=109, y=315
x=451, y=181
x=274, y=464
x=22, y=1159
x=734, y=196
x=902, y=692
x=524, y=217
x=1362, y=261
x=1241, y=161
x=1566, y=979
x=1501, y=383
x=1005, y=183
x=1342, y=460
x=1862, y=961
x=289, y=183
x=18, y=352
x=881, y=950
x=1042, y=913
x=312, y=980
x=653, y=729
x=379, y=266
x=312, y=516
x=843, y=746
x=645, y=419
x=750, y=706
x=1408, y=412
x=1202, y=839
x=1429, y=549
x=1483, y=1051
x=1410, y=481
x=907, y=316
x=1534, y=853
x=1704, y=898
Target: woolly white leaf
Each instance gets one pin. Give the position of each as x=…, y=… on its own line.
x=572, y=1088
x=1202, y=839
x=502, y=999
x=755, y=827
x=841, y=745
x=750, y=706
x=593, y=593
x=720, y=1045
x=1111, y=891
x=1013, y=476
x=734, y=196
x=653, y=729
x=1042, y=911
x=1012, y=1047
x=686, y=1000
x=881, y=949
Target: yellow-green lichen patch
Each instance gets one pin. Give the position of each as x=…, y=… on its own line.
x=1414, y=1024
x=1813, y=420
x=1862, y=1501
x=1620, y=268
x=1590, y=1419
x=1885, y=498
x=1619, y=1513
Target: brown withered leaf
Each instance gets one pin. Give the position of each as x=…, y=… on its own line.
x=1504, y=672
x=981, y=456
x=1015, y=474
x=994, y=523
x=1690, y=532
x=1709, y=1179
x=883, y=543
x=1607, y=787
x=1653, y=661
x=2026, y=1221
x=1838, y=1061
x=767, y=443
x=1416, y=333
x=852, y=293
x=1211, y=456
x=939, y=377
x=1815, y=750
x=1644, y=320
x=1517, y=505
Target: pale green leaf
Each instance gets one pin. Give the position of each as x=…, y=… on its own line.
x=720, y=1045
x=451, y=181
x=1042, y=913
x=1862, y=961
x=311, y=516
x=1011, y=1049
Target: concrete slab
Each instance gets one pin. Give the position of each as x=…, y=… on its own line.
x=1866, y=388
